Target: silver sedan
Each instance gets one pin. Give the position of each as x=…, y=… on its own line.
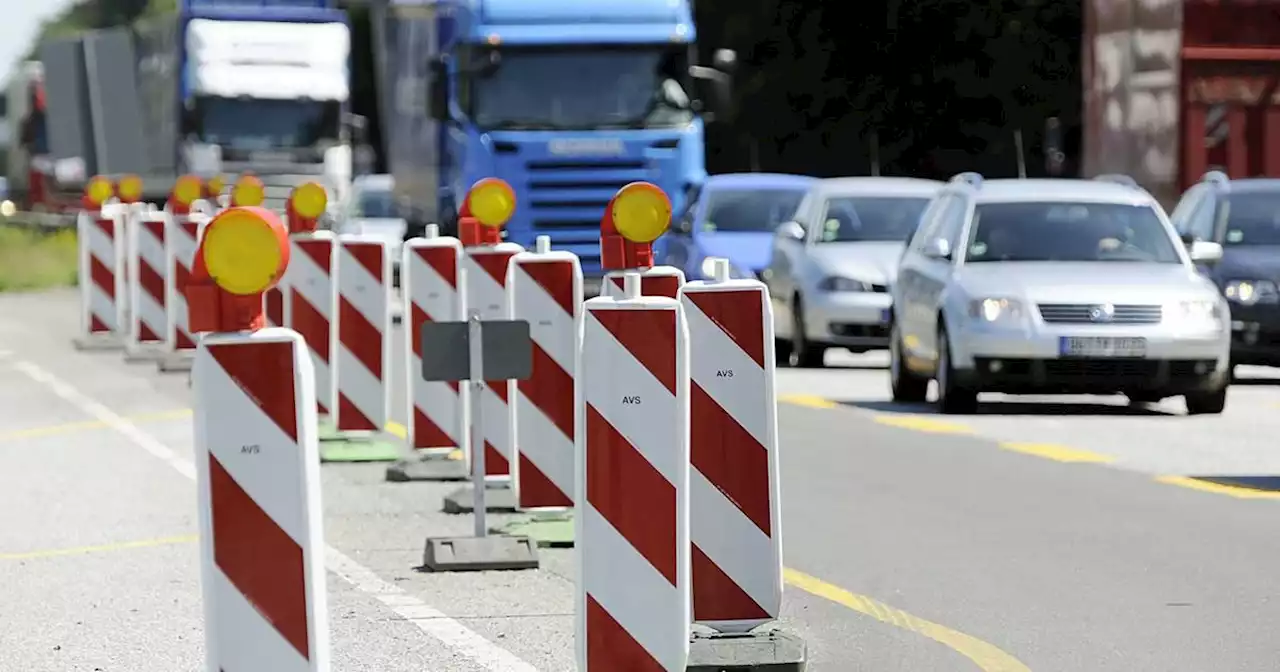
x=833, y=265
x=1056, y=286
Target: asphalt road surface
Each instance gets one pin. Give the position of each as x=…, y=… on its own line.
x=1041, y=534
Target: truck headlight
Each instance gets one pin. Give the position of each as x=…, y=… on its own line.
x=836, y=283
x=1249, y=292
x=992, y=310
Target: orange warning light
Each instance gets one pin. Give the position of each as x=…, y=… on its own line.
x=636, y=216
x=248, y=191
x=186, y=190
x=243, y=253
x=306, y=205
x=130, y=189
x=214, y=187
x=97, y=192
x=487, y=208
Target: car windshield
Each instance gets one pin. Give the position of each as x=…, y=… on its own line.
x=377, y=203
x=1069, y=232
x=865, y=219
x=1251, y=218
x=750, y=210
x=608, y=88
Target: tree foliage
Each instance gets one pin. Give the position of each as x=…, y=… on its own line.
x=92, y=14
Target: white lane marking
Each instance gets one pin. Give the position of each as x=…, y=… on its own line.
x=432, y=622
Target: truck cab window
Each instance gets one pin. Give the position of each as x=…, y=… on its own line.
x=610, y=87
x=253, y=124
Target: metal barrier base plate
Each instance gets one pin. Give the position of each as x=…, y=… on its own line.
x=423, y=468
x=474, y=554
x=755, y=651
x=496, y=500
x=177, y=362
x=98, y=343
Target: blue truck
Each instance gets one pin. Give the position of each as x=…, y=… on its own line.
x=220, y=87
x=567, y=100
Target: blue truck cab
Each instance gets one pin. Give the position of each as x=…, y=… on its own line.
x=566, y=100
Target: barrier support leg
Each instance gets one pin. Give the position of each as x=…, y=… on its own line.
x=760, y=650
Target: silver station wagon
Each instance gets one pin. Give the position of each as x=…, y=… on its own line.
x=1055, y=287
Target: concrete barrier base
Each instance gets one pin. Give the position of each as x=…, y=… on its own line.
x=496, y=500
x=474, y=554
x=756, y=651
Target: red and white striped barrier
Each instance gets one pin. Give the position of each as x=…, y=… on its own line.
x=734, y=507
x=545, y=289
x=485, y=270
x=257, y=462
x=274, y=301
x=101, y=237
x=182, y=235
x=632, y=527
x=655, y=281
x=364, y=333
x=149, y=319
x=312, y=307
x=430, y=282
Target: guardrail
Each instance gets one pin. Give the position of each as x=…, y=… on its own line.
x=39, y=220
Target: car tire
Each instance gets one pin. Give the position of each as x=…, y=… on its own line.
x=805, y=354
x=1206, y=403
x=782, y=351
x=953, y=399
x=906, y=385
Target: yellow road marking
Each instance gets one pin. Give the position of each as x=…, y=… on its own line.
x=810, y=400
x=401, y=432
x=1053, y=451
x=70, y=427
x=922, y=423
x=1217, y=488
x=82, y=550
x=986, y=656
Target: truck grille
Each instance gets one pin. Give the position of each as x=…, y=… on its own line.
x=1084, y=313
x=567, y=199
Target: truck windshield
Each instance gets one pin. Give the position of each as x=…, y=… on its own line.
x=754, y=210
x=1252, y=218
x=581, y=88
x=256, y=124
x=1069, y=232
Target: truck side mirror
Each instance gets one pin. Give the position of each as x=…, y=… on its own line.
x=438, y=90
x=715, y=90
x=725, y=60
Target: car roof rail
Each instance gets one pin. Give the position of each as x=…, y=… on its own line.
x=971, y=178
x=1118, y=178
x=1215, y=177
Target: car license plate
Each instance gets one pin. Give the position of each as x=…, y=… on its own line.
x=1101, y=346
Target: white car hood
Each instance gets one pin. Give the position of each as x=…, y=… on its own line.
x=1085, y=282
x=874, y=262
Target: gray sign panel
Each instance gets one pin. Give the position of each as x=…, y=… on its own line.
x=506, y=350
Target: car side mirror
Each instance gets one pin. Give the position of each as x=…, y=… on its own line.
x=791, y=231
x=438, y=90
x=938, y=248
x=1204, y=252
x=683, y=226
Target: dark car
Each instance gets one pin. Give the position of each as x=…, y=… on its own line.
x=1244, y=217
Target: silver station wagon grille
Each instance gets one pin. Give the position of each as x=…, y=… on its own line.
x=1098, y=313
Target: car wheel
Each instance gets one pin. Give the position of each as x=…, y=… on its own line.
x=907, y=387
x=1206, y=403
x=952, y=398
x=782, y=351
x=805, y=354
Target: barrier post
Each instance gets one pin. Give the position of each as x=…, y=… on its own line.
x=486, y=209
x=185, y=217
x=258, y=475
x=311, y=307
x=480, y=352
x=734, y=507
x=433, y=289
x=100, y=239
x=545, y=289
x=145, y=259
x=632, y=524
x=363, y=352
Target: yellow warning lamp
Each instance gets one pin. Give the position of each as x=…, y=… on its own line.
x=487, y=208
x=641, y=212
x=97, y=192
x=213, y=188
x=186, y=190
x=130, y=189
x=248, y=191
x=306, y=205
x=243, y=253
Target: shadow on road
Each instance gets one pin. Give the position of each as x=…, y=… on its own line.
x=998, y=408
